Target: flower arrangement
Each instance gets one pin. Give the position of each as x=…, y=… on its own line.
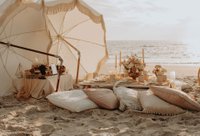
x=133, y=66
x=159, y=70
x=41, y=70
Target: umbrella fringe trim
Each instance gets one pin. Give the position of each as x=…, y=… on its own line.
x=82, y=7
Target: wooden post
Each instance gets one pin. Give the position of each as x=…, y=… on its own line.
x=120, y=61
x=78, y=67
x=199, y=76
x=143, y=55
x=116, y=62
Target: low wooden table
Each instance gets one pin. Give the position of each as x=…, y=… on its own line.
x=111, y=84
x=128, y=84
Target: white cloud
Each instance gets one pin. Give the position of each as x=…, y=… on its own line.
x=150, y=19
x=176, y=20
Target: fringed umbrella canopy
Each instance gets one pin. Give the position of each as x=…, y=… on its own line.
x=22, y=24
x=78, y=36
x=68, y=28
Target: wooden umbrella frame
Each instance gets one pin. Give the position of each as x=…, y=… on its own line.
x=40, y=52
x=79, y=58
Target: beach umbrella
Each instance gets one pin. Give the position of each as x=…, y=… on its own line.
x=21, y=24
x=78, y=35
x=4, y=4
x=69, y=28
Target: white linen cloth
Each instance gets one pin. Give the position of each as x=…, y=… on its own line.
x=38, y=88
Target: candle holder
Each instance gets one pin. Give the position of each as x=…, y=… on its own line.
x=172, y=75
x=159, y=71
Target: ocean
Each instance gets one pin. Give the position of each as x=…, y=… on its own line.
x=156, y=52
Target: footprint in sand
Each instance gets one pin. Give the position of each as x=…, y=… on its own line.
x=95, y=123
x=46, y=129
x=139, y=121
x=147, y=122
x=105, y=131
x=15, y=128
x=112, y=119
x=19, y=134
x=29, y=110
x=163, y=133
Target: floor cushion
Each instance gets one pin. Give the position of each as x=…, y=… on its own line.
x=104, y=98
x=176, y=97
x=74, y=100
x=128, y=98
x=153, y=104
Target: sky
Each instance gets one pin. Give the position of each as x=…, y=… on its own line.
x=173, y=20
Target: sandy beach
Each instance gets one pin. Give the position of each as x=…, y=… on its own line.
x=39, y=117
x=47, y=46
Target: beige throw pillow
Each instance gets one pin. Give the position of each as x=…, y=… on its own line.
x=75, y=100
x=176, y=97
x=104, y=98
x=128, y=98
x=152, y=104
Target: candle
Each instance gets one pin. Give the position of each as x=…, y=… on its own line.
x=115, y=61
x=120, y=61
x=172, y=75
x=120, y=58
x=199, y=76
x=143, y=55
x=172, y=78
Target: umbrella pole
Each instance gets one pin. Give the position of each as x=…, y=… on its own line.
x=59, y=74
x=78, y=67
x=79, y=59
x=40, y=52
